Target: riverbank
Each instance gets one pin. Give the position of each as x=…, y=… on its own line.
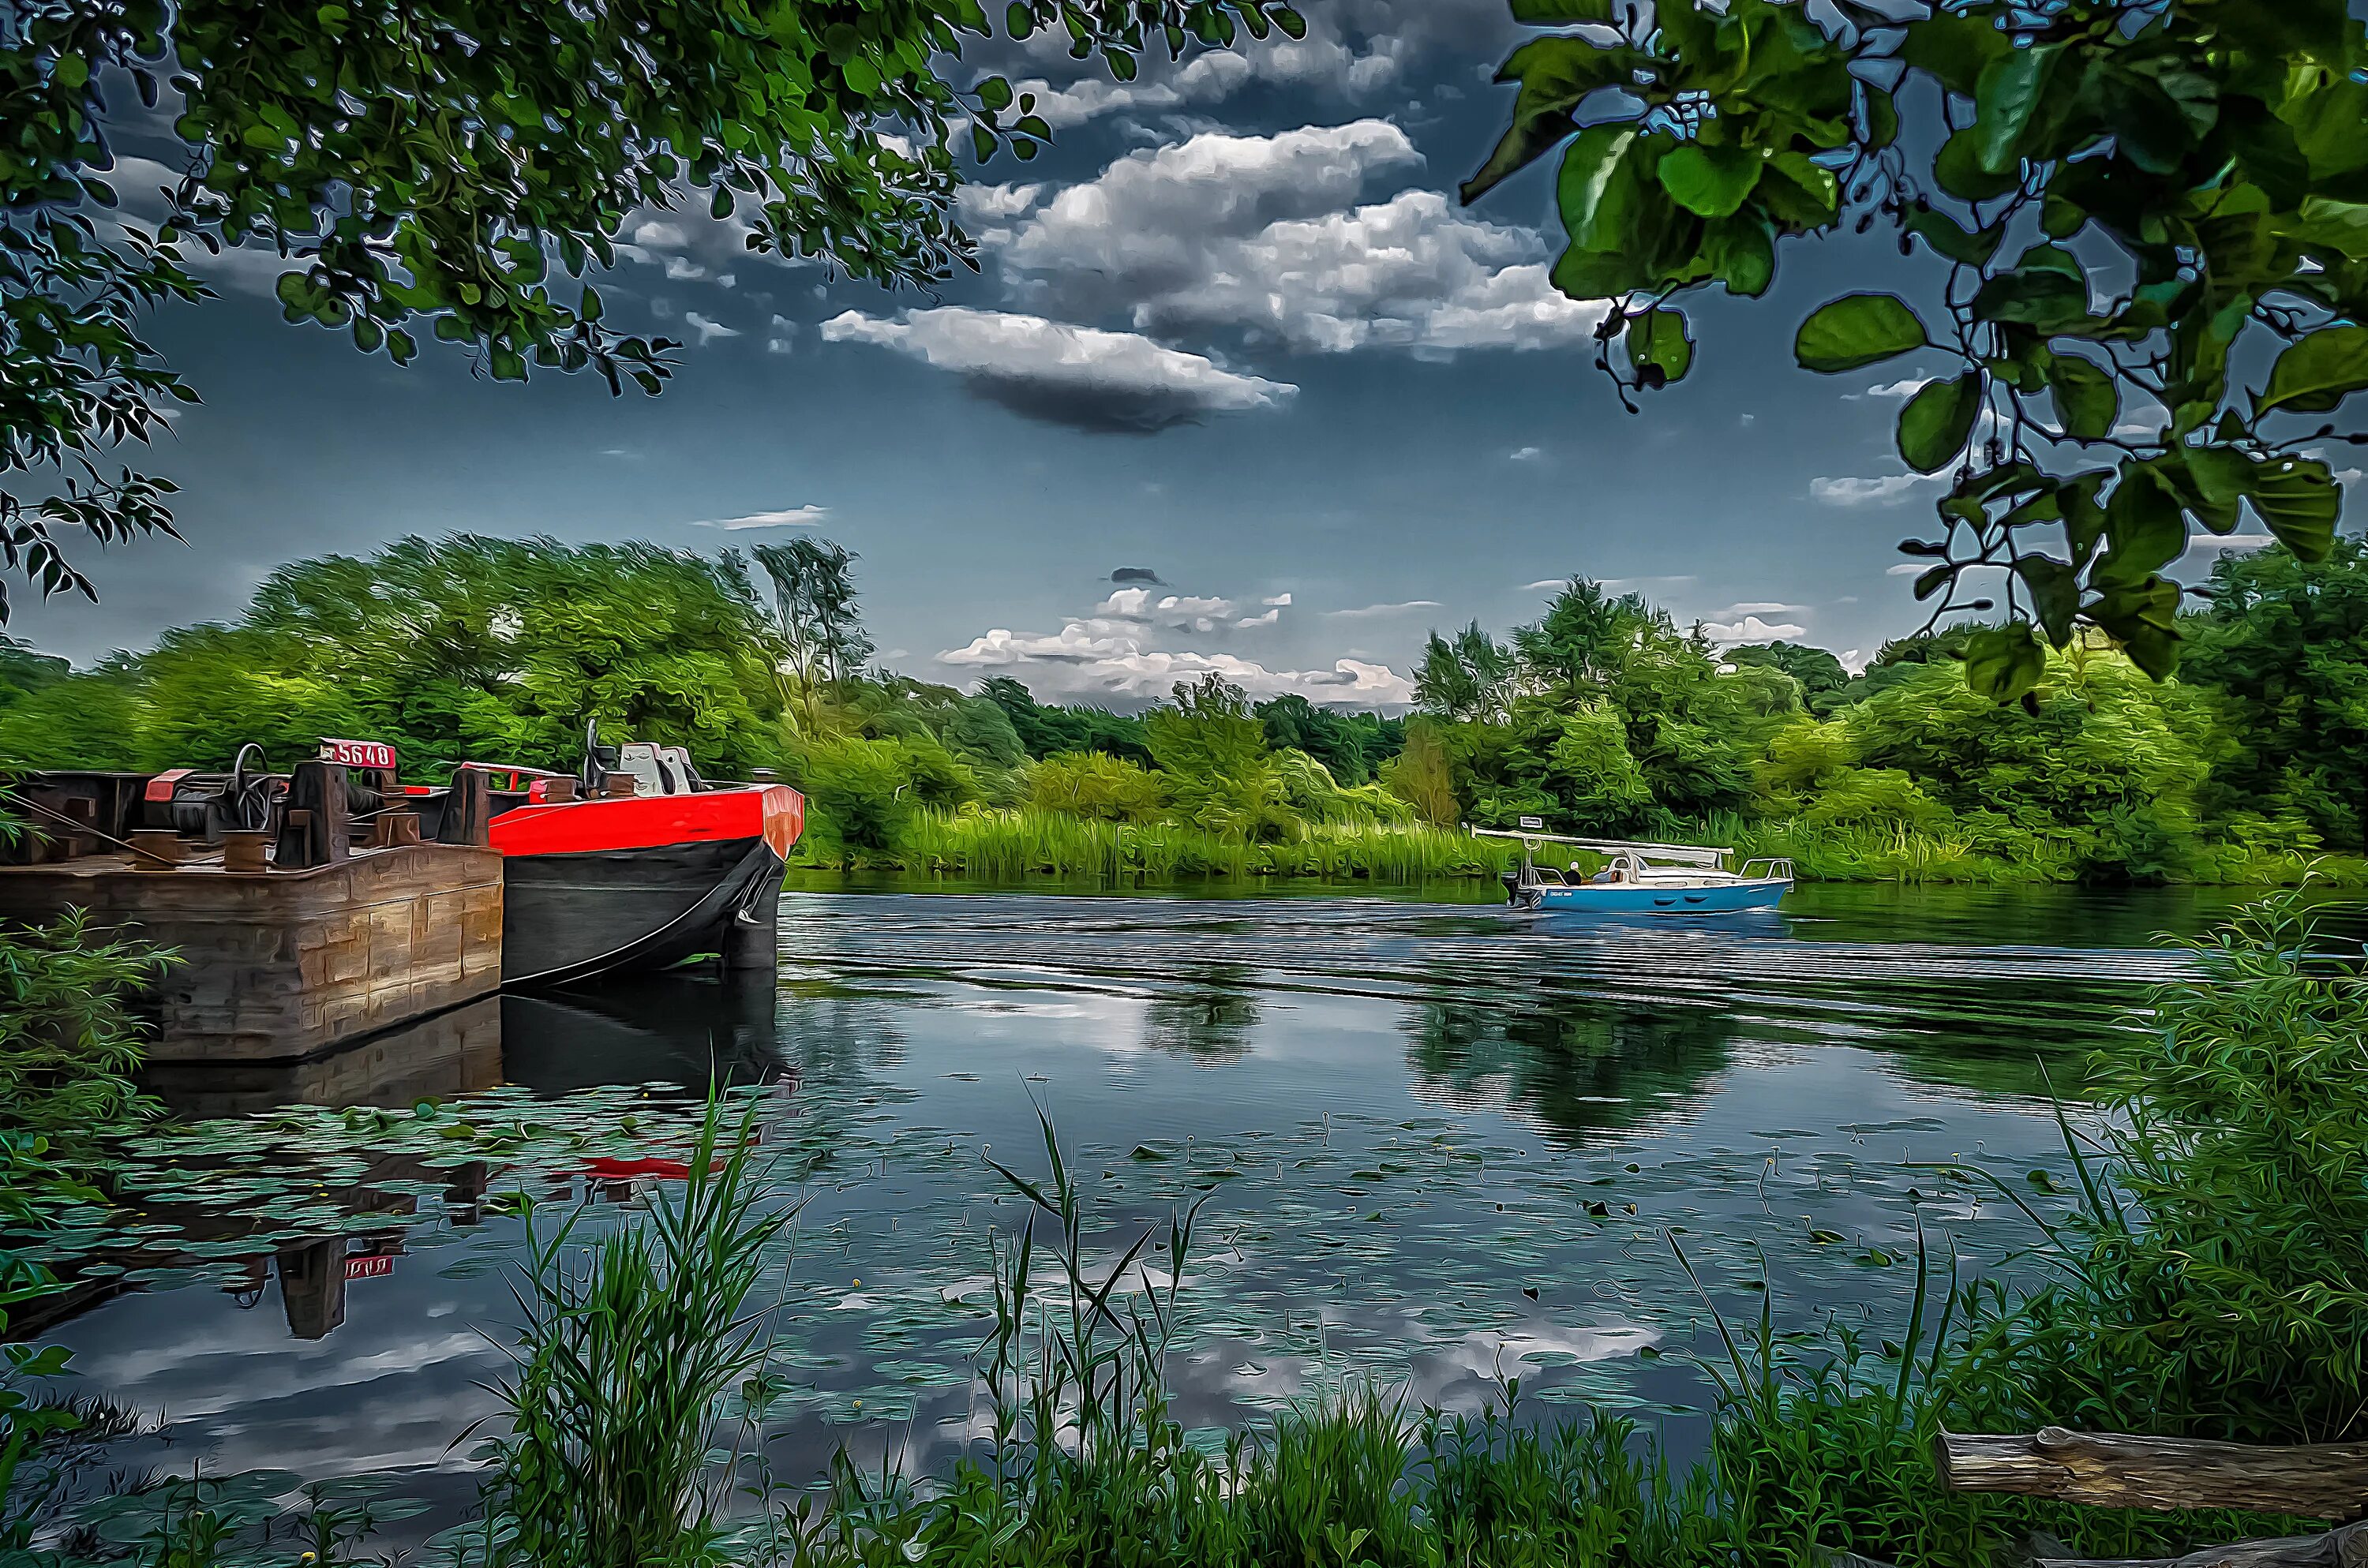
x=1011, y=845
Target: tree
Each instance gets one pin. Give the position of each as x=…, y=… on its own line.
x=427, y=161
x=2284, y=652
x=1820, y=675
x=1470, y=679
x=1586, y=639
x=498, y=650
x=813, y=608
x=1214, y=755
x=2135, y=205
x=1051, y=730
x=1350, y=745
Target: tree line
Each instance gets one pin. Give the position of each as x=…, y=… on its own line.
x=1602, y=717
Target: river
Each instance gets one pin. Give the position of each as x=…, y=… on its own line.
x=1438, y=1145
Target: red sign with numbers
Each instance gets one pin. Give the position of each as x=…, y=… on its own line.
x=358, y=754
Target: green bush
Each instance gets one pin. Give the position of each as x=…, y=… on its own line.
x=2218, y=1269
x=1096, y=785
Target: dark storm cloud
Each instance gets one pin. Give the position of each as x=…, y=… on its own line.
x=1136, y=574
x=1102, y=382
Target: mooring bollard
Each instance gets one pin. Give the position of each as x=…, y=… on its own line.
x=244, y=849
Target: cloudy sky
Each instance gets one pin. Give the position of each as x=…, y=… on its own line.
x=1239, y=386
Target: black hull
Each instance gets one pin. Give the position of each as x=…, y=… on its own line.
x=571, y=917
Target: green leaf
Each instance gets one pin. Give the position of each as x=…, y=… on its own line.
x=1658, y=342
x=1711, y=181
x=1957, y=49
x=1799, y=191
x=2299, y=501
x=1958, y=167
x=995, y=95
x=2086, y=399
x=1560, y=13
x=1555, y=75
x=2043, y=297
x=1597, y=188
x=1946, y=235
x=1856, y=330
x=1937, y=422
x=2054, y=595
x=2007, y=95
x=2319, y=371
x=2004, y=662
x=2145, y=526
x=1741, y=251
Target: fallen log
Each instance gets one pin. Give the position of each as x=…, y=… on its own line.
x=2323, y=1482
x=2344, y=1547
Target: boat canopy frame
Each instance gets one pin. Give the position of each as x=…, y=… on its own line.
x=1679, y=854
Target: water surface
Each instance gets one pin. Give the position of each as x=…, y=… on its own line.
x=1438, y=1145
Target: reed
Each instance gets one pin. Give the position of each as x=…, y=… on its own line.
x=627, y=1351
x=1019, y=844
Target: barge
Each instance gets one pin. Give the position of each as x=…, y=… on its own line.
x=322, y=905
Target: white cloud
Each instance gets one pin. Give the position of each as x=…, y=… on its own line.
x=1069, y=375
x=1263, y=234
x=789, y=518
x=2243, y=544
x=1137, y=642
x=1525, y=454
x=1183, y=612
x=1907, y=569
x=1906, y=388
x=1075, y=661
x=1400, y=607
x=1751, y=629
x=682, y=269
x=1353, y=50
x=1759, y=607
x=782, y=337
x=709, y=331
x=1888, y=490
x=1545, y=582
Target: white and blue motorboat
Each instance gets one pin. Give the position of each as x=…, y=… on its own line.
x=1641, y=879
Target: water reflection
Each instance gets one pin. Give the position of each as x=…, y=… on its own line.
x=1209, y=1016
x=1572, y=1069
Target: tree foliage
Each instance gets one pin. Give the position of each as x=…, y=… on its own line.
x=459, y=169
x=2285, y=649
x=813, y=608
x=496, y=649
x=2150, y=222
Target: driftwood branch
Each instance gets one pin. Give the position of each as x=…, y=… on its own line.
x=2326, y=1481
x=2345, y=1548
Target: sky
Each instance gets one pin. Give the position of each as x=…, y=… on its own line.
x=1240, y=386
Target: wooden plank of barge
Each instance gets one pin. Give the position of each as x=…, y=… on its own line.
x=286, y=965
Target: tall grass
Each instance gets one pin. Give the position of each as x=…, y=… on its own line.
x=1015, y=844
x=626, y=1355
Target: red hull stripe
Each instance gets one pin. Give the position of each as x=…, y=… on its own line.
x=775, y=811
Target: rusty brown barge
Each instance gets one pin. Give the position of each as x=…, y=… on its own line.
x=313, y=910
